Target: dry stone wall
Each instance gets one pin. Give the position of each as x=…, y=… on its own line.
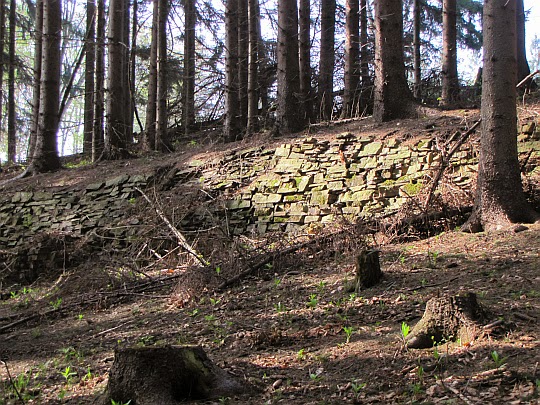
x=307, y=183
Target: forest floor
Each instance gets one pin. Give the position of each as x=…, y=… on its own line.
x=291, y=331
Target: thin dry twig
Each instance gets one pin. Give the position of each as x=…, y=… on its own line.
x=11, y=381
x=181, y=238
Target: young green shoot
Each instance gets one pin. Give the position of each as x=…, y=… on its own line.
x=312, y=303
x=348, y=332
x=497, y=359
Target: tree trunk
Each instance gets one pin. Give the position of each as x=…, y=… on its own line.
x=450, y=81
x=447, y=319
x=253, y=94
x=304, y=45
x=188, y=91
x=392, y=95
x=89, y=81
x=2, y=60
x=364, y=54
x=133, y=67
x=116, y=140
x=326, y=62
x=98, y=135
x=417, y=10
x=149, y=137
x=352, y=59
x=45, y=156
x=289, y=115
x=499, y=194
x=161, y=108
x=167, y=376
x=368, y=270
x=523, y=69
x=232, y=130
x=126, y=69
x=243, y=56
x=11, y=132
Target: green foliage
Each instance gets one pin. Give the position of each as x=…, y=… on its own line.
x=405, y=329
x=497, y=359
x=56, y=303
x=312, y=303
x=301, y=355
x=348, y=332
x=113, y=402
x=357, y=387
x=68, y=374
x=279, y=307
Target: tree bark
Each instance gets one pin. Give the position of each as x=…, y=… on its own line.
x=161, y=108
x=523, y=65
x=89, y=74
x=188, y=90
x=116, y=140
x=392, y=96
x=326, y=62
x=2, y=60
x=289, y=115
x=304, y=45
x=232, y=130
x=351, y=77
x=11, y=130
x=417, y=10
x=45, y=156
x=167, y=375
x=500, y=200
x=253, y=51
x=149, y=136
x=450, y=81
x=243, y=57
x=98, y=135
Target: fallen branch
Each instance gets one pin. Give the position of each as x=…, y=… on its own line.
x=445, y=161
x=181, y=238
x=530, y=76
x=11, y=381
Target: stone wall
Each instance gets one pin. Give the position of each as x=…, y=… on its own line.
x=307, y=183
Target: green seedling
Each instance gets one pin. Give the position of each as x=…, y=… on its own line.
x=301, y=355
x=348, y=332
x=68, y=374
x=56, y=304
x=80, y=317
x=405, y=330
x=209, y=318
x=315, y=377
x=193, y=313
x=320, y=287
x=280, y=307
x=277, y=282
x=214, y=301
x=357, y=387
x=497, y=359
x=312, y=303
x=113, y=402
x=218, y=270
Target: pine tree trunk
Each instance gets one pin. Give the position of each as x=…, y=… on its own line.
x=364, y=54
x=326, y=63
x=289, y=115
x=45, y=156
x=523, y=65
x=11, y=132
x=304, y=43
x=133, y=65
x=253, y=94
x=188, y=91
x=98, y=135
x=243, y=56
x=352, y=59
x=161, y=110
x=450, y=82
x=499, y=195
x=232, y=130
x=417, y=10
x=89, y=81
x=149, y=136
x=2, y=60
x=392, y=95
x=116, y=140
x=126, y=69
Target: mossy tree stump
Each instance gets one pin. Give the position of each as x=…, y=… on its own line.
x=447, y=319
x=368, y=270
x=166, y=376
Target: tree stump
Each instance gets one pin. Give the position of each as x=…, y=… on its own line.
x=368, y=270
x=447, y=319
x=166, y=376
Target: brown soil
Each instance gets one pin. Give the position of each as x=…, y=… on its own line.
x=291, y=330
